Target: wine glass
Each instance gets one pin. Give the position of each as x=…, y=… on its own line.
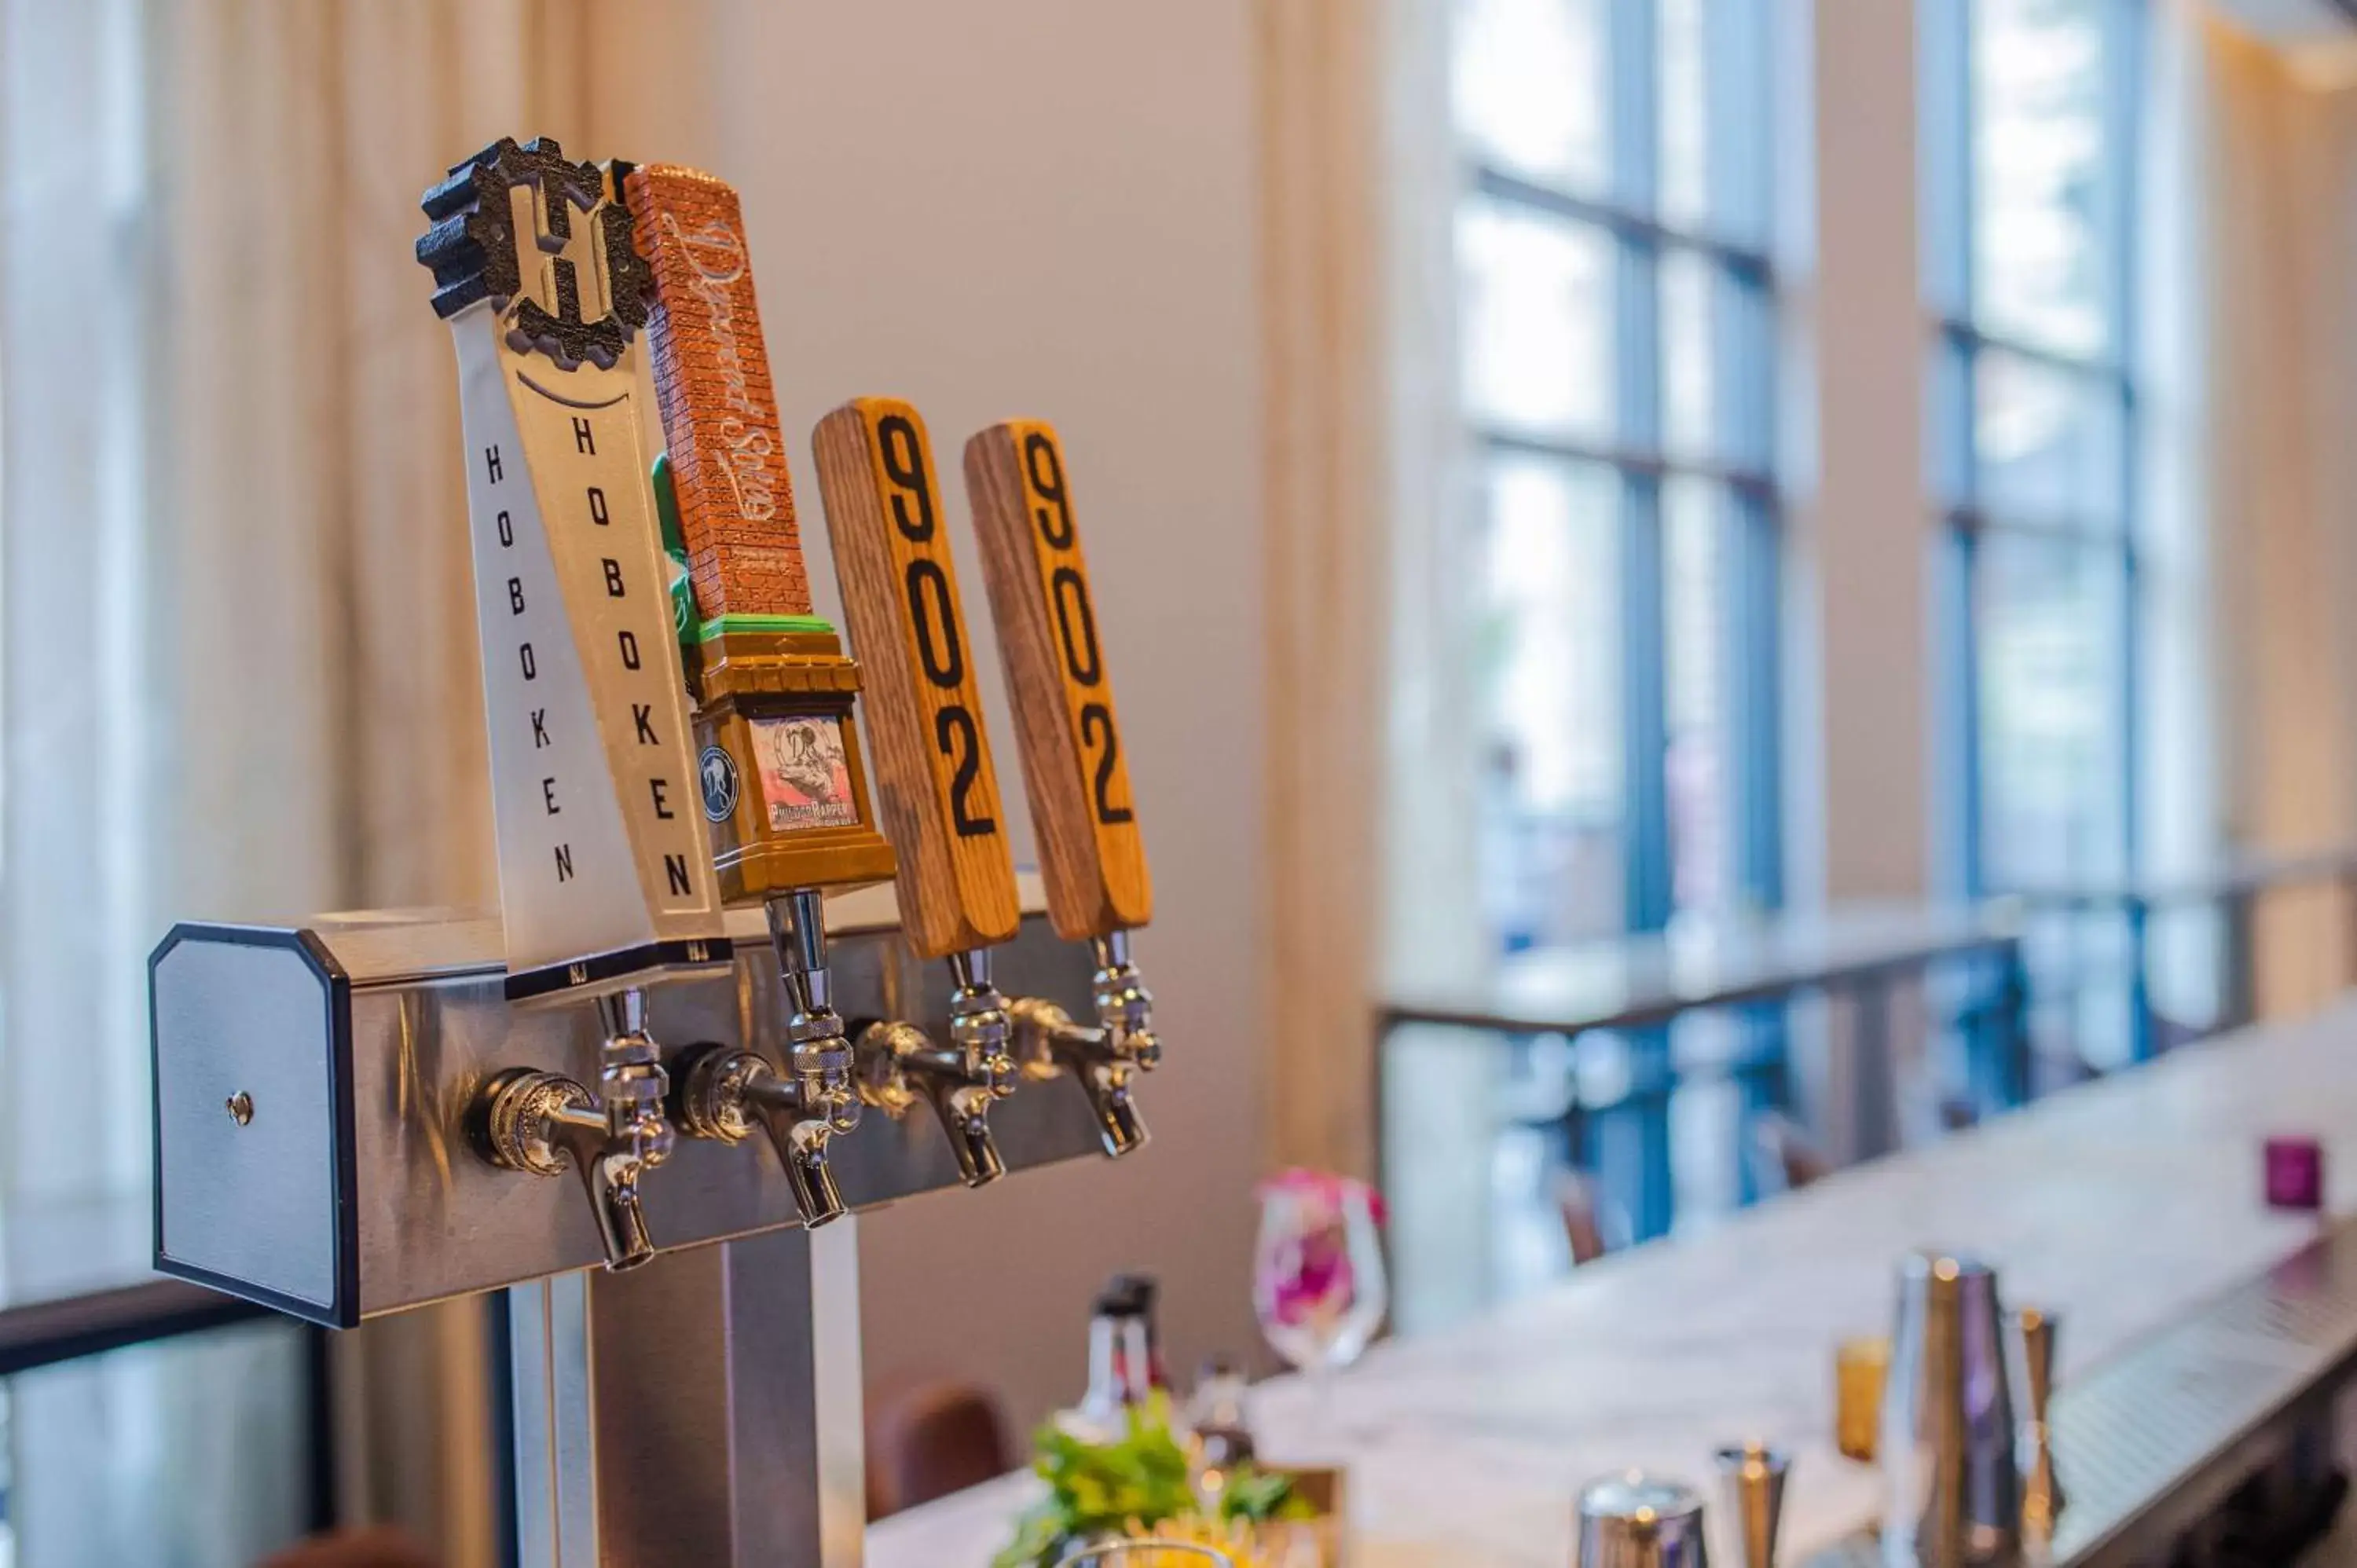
x=1318, y=1289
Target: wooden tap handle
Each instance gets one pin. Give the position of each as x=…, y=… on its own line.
x=1075, y=775
x=933, y=764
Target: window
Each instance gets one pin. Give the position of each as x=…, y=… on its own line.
x=2032, y=119
x=2030, y=132
x=1615, y=331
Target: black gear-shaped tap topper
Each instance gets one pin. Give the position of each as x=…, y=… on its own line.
x=472, y=251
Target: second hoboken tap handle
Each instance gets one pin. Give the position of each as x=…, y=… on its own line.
x=1077, y=778
x=938, y=790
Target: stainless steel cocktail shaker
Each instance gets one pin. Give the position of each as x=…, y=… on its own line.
x=1953, y=1493
x=1636, y=1521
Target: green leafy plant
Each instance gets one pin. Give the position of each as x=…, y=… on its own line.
x=1097, y=1487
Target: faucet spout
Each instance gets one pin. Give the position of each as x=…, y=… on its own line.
x=1049, y=1042
x=611, y=1179
x=900, y=1062
x=1119, y=1126
x=728, y=1092
x=544, y=1123
x=802, y=1116
x=810, y=1173
x=965, y=1114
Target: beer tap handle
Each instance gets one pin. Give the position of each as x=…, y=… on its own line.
x=1073, y=768
x=1077, y=781
x=784, y=787
x=939, y=790
x=939, y=793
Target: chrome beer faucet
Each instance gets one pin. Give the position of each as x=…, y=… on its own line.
x=728, y=1092
x=1105, y=1059
x=784, y=783
x=900, y=1064
x=542, y=1123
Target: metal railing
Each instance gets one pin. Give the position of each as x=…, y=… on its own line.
x=1647, y=1064
x=1647, y=1069
x=2062, y=923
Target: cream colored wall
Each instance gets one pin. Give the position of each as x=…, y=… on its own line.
x=1859, y=726
x=1049, y=207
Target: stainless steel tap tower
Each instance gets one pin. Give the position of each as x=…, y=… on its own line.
x=369, y=1112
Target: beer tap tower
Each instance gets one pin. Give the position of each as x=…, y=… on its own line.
x=347, y=1112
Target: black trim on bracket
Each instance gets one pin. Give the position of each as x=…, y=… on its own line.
x=341, y=1089
x=709, y=952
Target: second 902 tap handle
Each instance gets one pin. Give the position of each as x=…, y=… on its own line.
x=1078, y=781
x=938, y=790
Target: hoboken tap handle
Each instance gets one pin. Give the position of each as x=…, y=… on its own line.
x=938, y=790
x=605, y=880
x=1074, y=772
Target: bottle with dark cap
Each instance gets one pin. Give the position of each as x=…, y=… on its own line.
x=1145, y=1297
x=1123, y=1361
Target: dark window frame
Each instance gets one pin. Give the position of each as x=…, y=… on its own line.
x=1965, y=518
x=1744, y=360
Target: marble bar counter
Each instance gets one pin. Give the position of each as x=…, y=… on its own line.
x=2120, y=1205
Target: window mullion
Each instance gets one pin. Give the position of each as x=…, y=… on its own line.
x=1638, y=397
x=1636, y=118
x=2125, y=44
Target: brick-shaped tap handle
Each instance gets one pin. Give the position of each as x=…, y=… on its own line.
x=719, y=411
x=1074, y=771
x=935, y=778
x=784, y=784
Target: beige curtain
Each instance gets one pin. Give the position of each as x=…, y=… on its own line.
x=2280, y=191
x=1323, y=151
x=105, y=1463
x=1371, y=773
x=240, y=670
